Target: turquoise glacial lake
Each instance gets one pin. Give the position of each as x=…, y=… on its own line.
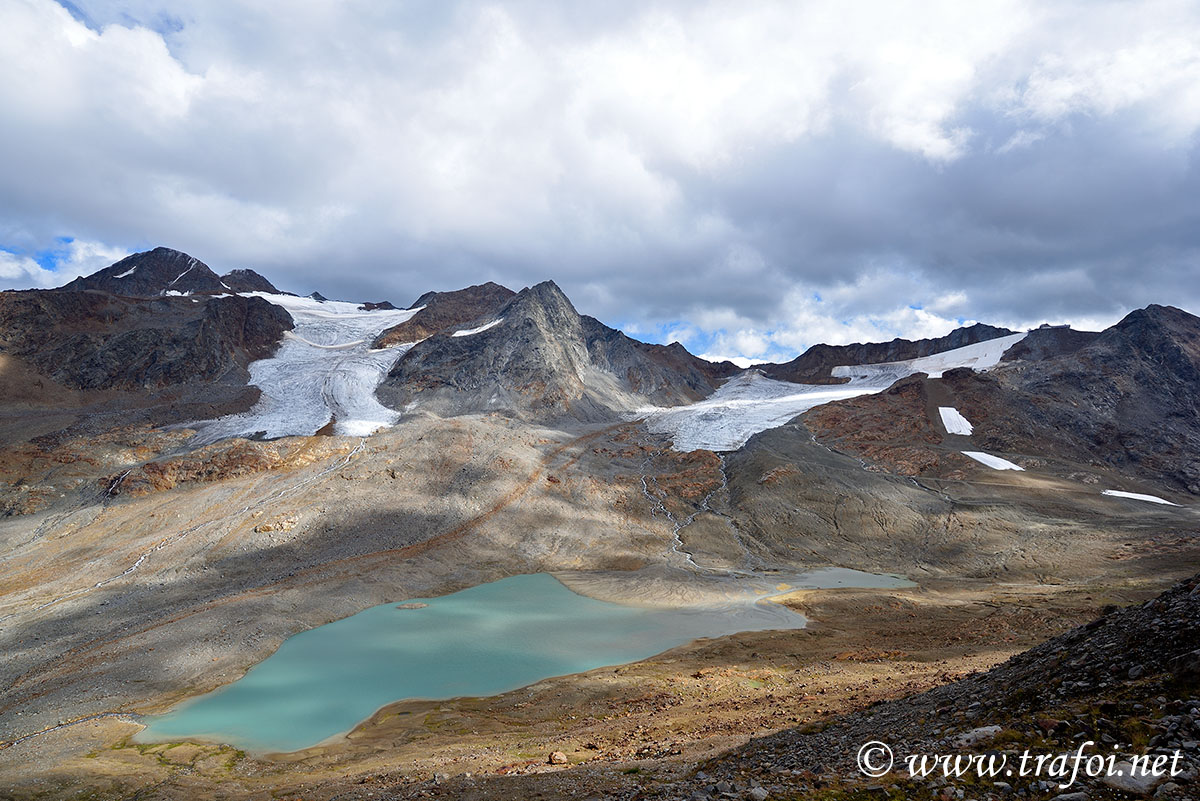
x=481, y=641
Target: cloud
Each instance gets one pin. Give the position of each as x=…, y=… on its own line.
x=22, y=272
x=709, y=163
x=55, y=267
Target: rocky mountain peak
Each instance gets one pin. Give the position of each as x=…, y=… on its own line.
x=532, y=357
x=1155, y=322
x=152, y=273
x=535, y=355
x=545, y=306
x=1164, y=338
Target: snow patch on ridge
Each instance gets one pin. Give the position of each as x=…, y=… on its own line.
x=954, y=422
x=1137, y=496
x=467, y=332
x=324, y=369
x=994, y=462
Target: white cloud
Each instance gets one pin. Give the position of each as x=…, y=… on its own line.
x=73, y=260
x=1143, y=57
x=85, y=258
x=22, y=272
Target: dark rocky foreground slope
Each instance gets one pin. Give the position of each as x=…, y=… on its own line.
x=539, y=357
x=1129, y=682
x=814, y=365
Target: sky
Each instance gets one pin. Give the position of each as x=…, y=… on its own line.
x=745, y=178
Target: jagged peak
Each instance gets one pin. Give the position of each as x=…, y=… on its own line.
x=544, y=291
x=542, y=298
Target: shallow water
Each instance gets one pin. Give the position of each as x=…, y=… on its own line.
x=481, y=641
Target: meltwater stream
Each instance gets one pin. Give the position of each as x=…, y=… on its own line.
x=481, y=641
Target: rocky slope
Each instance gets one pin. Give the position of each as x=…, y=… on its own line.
x=813, y=366
x=663, y=374
x=1128, y=401
x=85, y=364
x=1128, y=682
x=446, y=311
x=1047, y=342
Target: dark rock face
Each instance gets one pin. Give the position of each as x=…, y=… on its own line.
x=1047, y=342
x=370, y=305
x=665, y=374
x=151, y=274
x=247, y=281
x=813, y=366
x=542, y=359
x=95, y=340
x=446, y=311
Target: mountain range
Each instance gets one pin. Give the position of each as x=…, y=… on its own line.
x=195, y=467
x=160, y=337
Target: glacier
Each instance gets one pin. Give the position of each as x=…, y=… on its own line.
x=324, y=370
x=742, y=407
